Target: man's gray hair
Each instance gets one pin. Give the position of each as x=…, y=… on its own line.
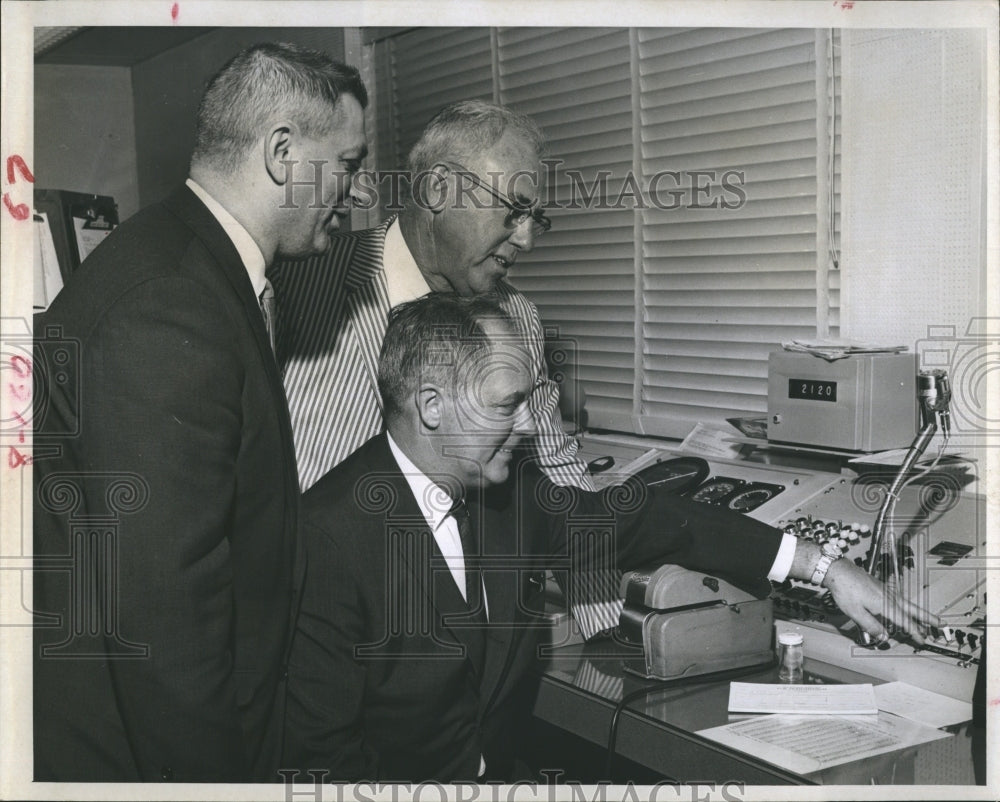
x=263, y=83
x=440, y=338
x=463, y=130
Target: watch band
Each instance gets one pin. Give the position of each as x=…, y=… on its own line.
x=830, y=554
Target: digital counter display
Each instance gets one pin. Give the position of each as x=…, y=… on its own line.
x=812, y=390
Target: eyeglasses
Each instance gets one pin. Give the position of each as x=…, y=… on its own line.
x=518, y=211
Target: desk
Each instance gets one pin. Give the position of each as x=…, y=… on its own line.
x=581, y=685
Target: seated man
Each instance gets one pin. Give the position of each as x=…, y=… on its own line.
x=415, y=628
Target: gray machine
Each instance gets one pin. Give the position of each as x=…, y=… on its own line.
x=691, y=623
x=865, y=402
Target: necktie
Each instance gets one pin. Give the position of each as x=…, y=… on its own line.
x=470, y=552
x=475, y=635
x=268, y=308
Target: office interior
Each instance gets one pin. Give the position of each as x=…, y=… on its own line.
x=715, y=194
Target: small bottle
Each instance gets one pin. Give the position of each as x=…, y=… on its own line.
x=790, y=657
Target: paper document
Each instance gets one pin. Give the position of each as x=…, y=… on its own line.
x=916, y=704
x=48, y=278
x=707, y=441
x=834, y=349
x=896, y=456
x=752, y=697
x=89, y=235
x=805, y=744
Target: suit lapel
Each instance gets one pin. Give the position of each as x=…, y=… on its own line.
x=424, y=563
x=189, y=209
x=186, y=205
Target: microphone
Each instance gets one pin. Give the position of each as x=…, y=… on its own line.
x=934, y=395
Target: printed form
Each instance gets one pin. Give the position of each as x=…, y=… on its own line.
x=806, y=744
x=752, y=697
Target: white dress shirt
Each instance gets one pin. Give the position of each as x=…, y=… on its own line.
x=435, y=505
x=246, y=246
x=783, y=559
x=403, y=278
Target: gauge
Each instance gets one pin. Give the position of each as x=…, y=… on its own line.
x=714, y=490
x=751, y=499
x=675, y=475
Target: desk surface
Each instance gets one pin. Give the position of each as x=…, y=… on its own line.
x=582, y=684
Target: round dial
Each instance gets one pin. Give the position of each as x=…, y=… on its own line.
x=749, y=499
x=713, y=491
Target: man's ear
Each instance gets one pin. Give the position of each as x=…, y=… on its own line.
x=429, y=402
x=434, y=188
x=278, y=150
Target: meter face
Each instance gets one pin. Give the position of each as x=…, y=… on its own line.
x=751, y=499
x=715, y=489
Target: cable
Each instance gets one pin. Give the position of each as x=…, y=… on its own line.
x=890, y=547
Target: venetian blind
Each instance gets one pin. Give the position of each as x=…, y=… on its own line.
x=672, y=308
x=576, y=84
x=419, y=72
x=723, y=287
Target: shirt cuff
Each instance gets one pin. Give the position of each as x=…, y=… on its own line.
x=783, y=559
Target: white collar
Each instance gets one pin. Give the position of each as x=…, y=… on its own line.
x=433, y=500
x=403, y=278
x=246, y=247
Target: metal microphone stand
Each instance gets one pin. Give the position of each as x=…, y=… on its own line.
x=934, y=394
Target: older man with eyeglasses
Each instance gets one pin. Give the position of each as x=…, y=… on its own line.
x=473, y=209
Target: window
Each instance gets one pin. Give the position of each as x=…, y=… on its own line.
x=691, y=188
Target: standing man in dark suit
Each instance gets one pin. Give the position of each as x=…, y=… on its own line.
x=473, y=210
x=166, y=518
x=409, y=648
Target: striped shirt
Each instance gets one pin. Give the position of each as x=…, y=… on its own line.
x=333, y=310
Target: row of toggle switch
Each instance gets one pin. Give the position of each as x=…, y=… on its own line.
x=955, y=638
x=836, y=532
x=802, y=610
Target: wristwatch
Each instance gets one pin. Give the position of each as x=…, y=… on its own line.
x=829, y=553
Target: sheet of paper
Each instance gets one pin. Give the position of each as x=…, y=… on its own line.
x=88, y=237
x=48, y=279
x=752, y=697
x=708, y=441
x=896, y=456
x=805, y=744
x=831, y=350
x=916, y=704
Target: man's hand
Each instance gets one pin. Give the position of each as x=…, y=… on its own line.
x=863, y=598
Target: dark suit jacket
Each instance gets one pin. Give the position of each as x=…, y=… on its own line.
x=165, y=512
x=382, y=685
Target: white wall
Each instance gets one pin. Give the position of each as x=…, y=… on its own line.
x=169, y=86
x=913, y=182
x=914, y=208
x=128, y=132
x=85, y=132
